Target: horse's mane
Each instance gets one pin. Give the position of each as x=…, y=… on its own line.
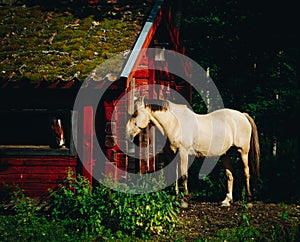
x=158, y=105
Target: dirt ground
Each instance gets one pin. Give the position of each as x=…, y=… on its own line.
x=205, y=219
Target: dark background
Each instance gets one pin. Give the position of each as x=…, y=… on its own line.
x=252, y=50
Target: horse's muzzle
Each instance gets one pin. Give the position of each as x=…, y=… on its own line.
x=130, y=137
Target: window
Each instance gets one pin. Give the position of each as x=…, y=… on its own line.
x=30, y=131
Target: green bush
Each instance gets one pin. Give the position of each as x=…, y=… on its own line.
x=73, y=205
x=27, y=223
x=140, y=215
x=102, y=211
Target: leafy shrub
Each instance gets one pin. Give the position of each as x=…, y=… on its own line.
x=25, y=207
x=28, y=223
x=105, y=212
x=140, y=214
x=74, y=206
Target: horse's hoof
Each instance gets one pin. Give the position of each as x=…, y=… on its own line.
x=249, y=205
x=184, y=204
x=225, y=204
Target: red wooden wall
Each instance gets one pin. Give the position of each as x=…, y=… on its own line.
x=35, y=174
x=116, y=160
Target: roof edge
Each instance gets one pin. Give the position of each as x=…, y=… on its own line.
x=142, y=39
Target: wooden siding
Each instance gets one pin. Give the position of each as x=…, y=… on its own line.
x=35, y=174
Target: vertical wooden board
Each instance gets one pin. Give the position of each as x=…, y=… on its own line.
x=88, y=142
x=143, y=166
x=121, y=160
x=152, y=80
x=110, y=128
x=130, y=90
x=111, y=154
x=110, y=141
x=152, y=141
x=144, y=151
x=74, y=132
x=109, y=110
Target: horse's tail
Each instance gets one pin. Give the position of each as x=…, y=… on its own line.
x=254, y=153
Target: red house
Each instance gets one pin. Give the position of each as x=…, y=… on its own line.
x=35, y=168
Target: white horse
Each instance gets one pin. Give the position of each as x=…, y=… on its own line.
x=209, y=135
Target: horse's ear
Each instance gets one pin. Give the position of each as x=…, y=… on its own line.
x=140, y=102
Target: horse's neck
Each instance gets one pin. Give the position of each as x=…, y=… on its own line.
x=167, y=120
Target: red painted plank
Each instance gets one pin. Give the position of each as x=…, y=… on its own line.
x=111, y=154
x=88, y=142
x=110, y=141
x=143, y=166
x=142, y=72
x=44, y=161
x=33, y=170
x=121, y=160
x=109, y=110
x=32, y=178
x=11, y=161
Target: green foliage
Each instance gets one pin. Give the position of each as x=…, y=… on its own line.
x=74, y=206
x=212, y=187
x=25, y=207
x=143, y=215
x=28, y=224
x=248, y=232
x=105, y=212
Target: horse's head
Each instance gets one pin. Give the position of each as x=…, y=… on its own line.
x=139, y=120
x=58, y=139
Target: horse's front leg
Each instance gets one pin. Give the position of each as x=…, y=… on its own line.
x=228, y=169
x=184, y=169
x=176, y=181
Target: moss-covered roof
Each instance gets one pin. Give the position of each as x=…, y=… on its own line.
x=42, y=42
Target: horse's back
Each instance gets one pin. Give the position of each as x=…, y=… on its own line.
x=229, y=115
x=237, y=123
x=228, y=127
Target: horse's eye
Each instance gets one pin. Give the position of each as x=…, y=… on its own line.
x=135, y=114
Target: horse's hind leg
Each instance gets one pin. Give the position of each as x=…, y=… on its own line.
x=244, y=157
x=228, y=169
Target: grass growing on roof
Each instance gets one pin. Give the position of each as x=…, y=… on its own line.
x=38, y=44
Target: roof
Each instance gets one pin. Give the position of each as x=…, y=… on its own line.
x=62, y=45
